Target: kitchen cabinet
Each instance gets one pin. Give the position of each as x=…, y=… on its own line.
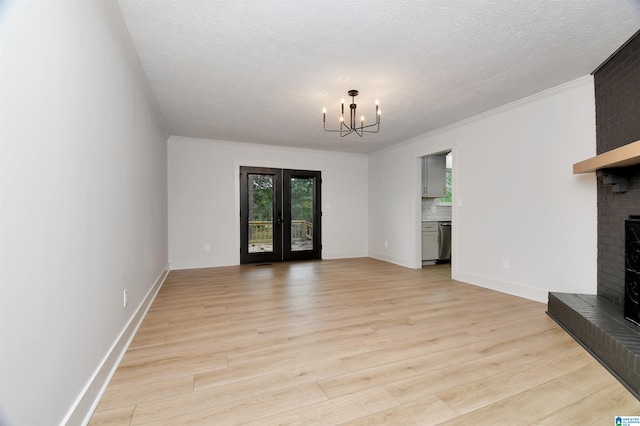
x=429, y=240
x=434, y=176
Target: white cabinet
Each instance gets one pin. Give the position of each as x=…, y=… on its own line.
x=434, y=176
x=429, y=240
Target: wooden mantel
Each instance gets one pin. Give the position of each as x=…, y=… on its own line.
x=625, y=156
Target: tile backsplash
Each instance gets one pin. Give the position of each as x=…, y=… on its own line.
x=431, y=210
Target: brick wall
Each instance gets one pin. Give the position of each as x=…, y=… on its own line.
x=617, y=91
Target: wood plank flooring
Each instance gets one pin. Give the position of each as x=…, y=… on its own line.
x=352, y=341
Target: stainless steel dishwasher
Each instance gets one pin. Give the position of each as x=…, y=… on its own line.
x=444, y=242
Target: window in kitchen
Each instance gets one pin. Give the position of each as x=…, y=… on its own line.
x=446, y=200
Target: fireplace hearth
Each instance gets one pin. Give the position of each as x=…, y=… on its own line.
x=609, y=331
x=598, y=325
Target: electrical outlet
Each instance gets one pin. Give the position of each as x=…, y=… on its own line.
x=505, y=263
x=207, y=247
x=386, y=244
x=125, y=297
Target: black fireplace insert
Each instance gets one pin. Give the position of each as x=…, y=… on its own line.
x=632, y=270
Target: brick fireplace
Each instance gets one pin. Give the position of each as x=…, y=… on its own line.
x=597, y=321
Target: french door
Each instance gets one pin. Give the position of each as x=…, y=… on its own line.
x=280, y=215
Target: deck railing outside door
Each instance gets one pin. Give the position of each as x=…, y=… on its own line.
x=261, y=231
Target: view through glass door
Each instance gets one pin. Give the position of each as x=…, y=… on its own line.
x=280, y=214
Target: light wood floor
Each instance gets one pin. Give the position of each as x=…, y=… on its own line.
x=354, y=341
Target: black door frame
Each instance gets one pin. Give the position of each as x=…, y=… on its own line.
x=316, y=253
x=276, y=254
x=281, y=234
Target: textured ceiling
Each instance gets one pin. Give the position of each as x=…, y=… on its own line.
x=261, y=71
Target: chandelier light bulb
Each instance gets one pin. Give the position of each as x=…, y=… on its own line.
x=324, y=110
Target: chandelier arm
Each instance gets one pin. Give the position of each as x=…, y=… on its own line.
x=347, y=128
x=376, y=124
x=343, y=132
x=339, y=131
x=370, y=125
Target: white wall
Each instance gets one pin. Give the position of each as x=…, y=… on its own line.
x=83, y=203
x=519, y=198
x=204, y=201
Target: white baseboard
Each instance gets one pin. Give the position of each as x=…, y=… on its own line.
x=84, y=406
x=407, y=263
x=514, y=289
x=203, y=263
x=328, y=255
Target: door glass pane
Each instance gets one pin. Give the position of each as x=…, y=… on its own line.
x=261, y=196
x=302, y=190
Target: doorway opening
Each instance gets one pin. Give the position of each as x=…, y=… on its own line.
x=436, y=208
x=280, y=215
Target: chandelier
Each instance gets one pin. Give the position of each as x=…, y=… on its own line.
x=352, y=126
